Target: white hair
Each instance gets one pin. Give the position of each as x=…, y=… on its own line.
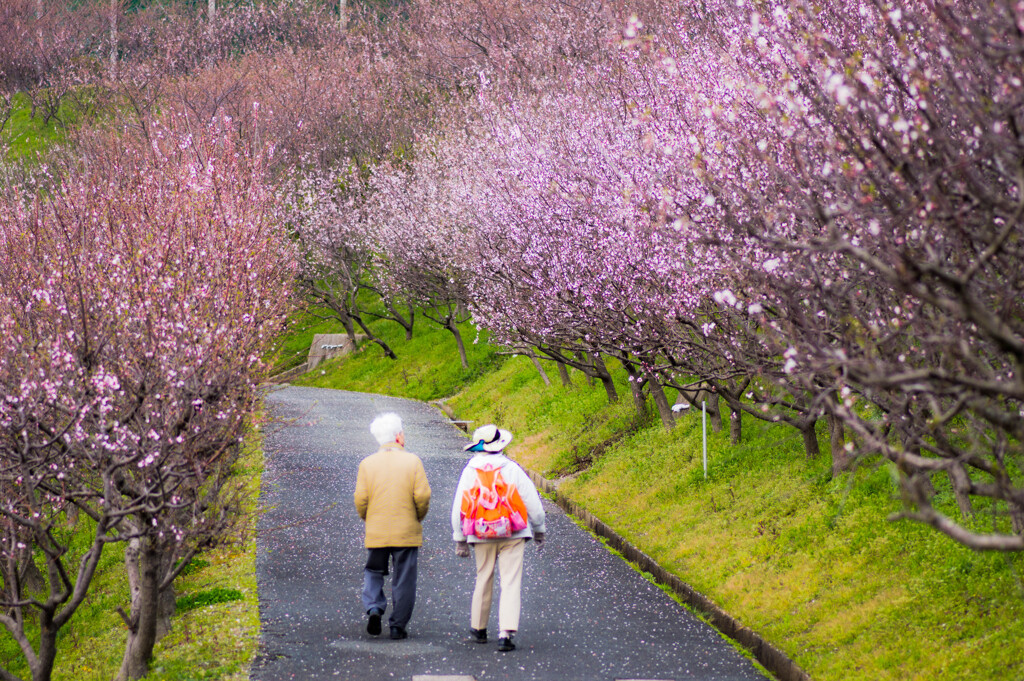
x=386, y=428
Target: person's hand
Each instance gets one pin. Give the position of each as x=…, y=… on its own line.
x=462, y=549
x=538, y=537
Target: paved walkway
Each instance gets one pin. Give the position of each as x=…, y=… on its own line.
x=587, y=616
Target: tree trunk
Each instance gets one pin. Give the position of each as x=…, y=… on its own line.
x=714, y=412
x=166, y=607
x=453, y=327
x=809, y=431
x=350, y=328
x=841, y=457
x=113, y=38
x=131, y=565
x=408, y=327
x=606, y=378
x=961, y=486
x=167, y=602
x=636, y=388
x=732, y=392
x=661, y=401
x=72, y=516
x=735, y=424
x=42, y=669
x=342, y=13
x=211, y=10
x=563, y=373
x=919, y=479
x=540, y=370
x=145, y=608
x=31, y=576
x=584, y=358
x=398, y=317
x=1017, y=518
x=388, y=352
x=707, y=399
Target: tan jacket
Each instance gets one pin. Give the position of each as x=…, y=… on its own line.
x=392, y=496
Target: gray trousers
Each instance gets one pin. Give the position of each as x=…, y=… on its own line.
x=403, y=583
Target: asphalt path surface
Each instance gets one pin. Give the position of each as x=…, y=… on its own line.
x=587, y=615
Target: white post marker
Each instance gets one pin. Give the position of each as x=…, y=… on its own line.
x=704, y=432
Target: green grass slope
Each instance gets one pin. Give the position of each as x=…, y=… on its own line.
x=810, y=562
x=427, y=367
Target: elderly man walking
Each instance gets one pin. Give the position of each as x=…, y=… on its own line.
x=392, y=496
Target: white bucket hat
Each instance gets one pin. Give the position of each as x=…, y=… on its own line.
x=489, y=438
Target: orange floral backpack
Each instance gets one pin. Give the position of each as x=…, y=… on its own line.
x=492, y=508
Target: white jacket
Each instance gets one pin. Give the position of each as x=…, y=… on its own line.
x=513, y=475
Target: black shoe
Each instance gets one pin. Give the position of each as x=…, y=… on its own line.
x=398, y=633
x=479, y=635
x=505, y=644
x=373, y=624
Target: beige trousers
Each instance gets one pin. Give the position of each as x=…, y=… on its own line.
x=508, y=554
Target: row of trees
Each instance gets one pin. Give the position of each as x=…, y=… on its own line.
x=145, y=273
x=138, y=295
x=808, y=217
x=143, y=277
x=160, y=273
x=82, y=56
x=808, y=211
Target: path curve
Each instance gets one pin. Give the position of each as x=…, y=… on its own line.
x=587, y=616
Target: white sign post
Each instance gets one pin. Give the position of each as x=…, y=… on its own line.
x=704, y=432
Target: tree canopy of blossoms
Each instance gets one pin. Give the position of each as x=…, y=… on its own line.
x=811, y=209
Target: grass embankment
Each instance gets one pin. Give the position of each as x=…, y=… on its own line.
x=808, y=561
x=215, y=633
x=427, y=367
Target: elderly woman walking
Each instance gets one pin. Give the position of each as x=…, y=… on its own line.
x=496, y=510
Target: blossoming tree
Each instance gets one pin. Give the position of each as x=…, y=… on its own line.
x=130, y=361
